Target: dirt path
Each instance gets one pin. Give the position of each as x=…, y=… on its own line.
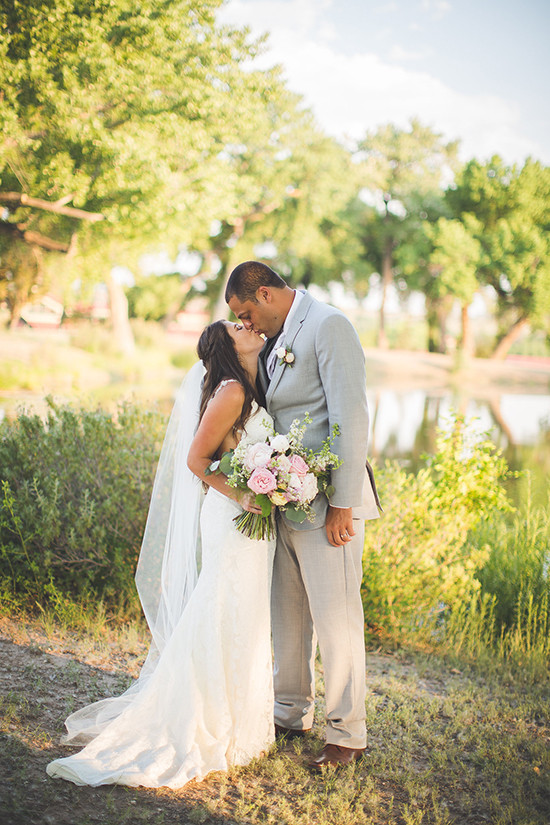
x=480, y=377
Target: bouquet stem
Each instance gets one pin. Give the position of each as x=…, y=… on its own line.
x=256, y=526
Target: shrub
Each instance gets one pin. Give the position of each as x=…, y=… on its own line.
x=418, y=565
x=74, y=500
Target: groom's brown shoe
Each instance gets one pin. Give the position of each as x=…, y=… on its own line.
x=289, y=733
x=336, y=755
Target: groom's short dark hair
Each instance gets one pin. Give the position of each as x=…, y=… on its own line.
x=247, y=278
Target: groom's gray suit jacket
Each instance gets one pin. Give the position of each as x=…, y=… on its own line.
x=326, y=380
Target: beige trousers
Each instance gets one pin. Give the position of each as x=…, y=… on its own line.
x=316, y=598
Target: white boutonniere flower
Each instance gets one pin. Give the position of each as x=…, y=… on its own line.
x=285, y=355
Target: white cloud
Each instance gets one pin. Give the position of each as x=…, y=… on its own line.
x=352, y=93
x=437, y=8
x=400, y=54
x=387, y=8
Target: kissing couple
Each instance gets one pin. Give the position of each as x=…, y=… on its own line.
x=208, y=695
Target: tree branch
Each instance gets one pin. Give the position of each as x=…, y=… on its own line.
x=21, y=199
x=33, y=238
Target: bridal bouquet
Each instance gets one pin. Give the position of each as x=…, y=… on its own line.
x=282, y=473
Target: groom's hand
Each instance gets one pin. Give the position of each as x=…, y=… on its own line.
x=339, y=525
x=248, y=502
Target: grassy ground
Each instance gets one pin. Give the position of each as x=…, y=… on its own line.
x=447, y=744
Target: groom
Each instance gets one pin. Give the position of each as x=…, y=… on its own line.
x=313, y=362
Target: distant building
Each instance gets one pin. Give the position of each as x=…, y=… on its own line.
x=97, y=310
x=45, y=313
x=191, y=320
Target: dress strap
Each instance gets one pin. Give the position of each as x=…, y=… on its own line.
x=223, y=384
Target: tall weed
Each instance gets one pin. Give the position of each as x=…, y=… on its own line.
x=518, y=565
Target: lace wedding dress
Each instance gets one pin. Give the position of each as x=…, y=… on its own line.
x=208, y=702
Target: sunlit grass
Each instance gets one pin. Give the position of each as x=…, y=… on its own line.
x=448, y=744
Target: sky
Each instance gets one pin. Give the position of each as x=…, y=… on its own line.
x=473, y=70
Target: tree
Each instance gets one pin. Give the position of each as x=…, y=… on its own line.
x=124, y=113
x=152, y=296
x=512, y=211
x=404, y=173
x=291, y=184
x=453, y=267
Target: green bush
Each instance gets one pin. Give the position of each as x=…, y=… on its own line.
x=74, y=500
x=418, y=562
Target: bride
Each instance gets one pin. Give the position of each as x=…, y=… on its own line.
x=204, y=697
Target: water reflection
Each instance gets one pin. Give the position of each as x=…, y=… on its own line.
x=404, y=424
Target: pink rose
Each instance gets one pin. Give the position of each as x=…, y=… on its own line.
x=262, y=481
x=298, y=465
x=257, y=455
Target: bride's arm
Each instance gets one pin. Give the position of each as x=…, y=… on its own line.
x=214, y=432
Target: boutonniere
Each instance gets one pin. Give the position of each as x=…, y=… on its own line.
x=285, y=355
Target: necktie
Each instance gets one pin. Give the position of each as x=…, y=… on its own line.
x=271, y=357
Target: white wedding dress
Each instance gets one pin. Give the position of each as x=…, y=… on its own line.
x=208, y=702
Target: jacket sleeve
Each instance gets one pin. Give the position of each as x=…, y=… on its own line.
x=342, y=371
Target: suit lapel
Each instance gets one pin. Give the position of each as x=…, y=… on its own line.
x=295, y=326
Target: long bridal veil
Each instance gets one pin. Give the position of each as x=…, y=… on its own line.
x=169, y=561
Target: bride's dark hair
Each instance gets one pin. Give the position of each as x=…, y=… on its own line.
x=216, y=349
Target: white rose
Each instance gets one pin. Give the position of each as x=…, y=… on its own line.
x=295, y=483
x=289, y=358
x=257, y=456
x=283, y=464
x=279, y=443
x=280, y=352
x=310, y=488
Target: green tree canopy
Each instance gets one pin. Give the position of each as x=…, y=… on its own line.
x=116, y=121
x=404, y=174
x=511, y=208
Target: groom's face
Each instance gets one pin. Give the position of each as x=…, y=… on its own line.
x=260, y=316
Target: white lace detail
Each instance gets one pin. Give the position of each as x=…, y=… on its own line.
x=209, y=702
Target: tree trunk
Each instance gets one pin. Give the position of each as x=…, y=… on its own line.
x=467, y=339
x=387, y=277
x=436, y=316
x=231, y=256
x=120, y=322
x=501, y=423
x=174, y=308
x=221, y=310
x=15, y=315
x=503, y=347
